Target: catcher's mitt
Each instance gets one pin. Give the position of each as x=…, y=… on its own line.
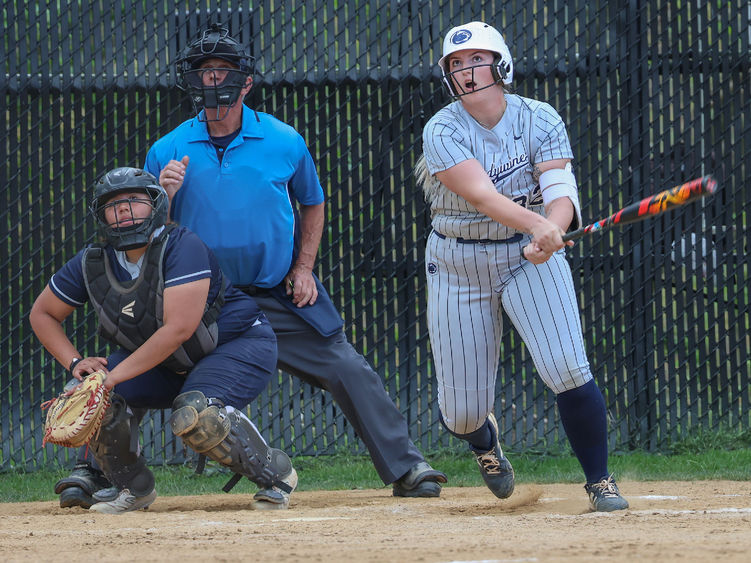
x=74, y=417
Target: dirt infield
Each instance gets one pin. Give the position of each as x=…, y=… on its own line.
x=701, y=521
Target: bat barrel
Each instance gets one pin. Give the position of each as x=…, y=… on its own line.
x=651, y=206
x=708, y=185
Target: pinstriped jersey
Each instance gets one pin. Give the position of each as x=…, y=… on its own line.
x=529, y=132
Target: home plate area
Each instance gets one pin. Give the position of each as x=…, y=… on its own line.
x=686, y=521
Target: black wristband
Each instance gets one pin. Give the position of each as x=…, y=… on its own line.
x=73, y=363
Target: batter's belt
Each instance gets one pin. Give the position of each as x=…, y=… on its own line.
x=516, y=238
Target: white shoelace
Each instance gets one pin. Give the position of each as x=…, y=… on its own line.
x=489, y=462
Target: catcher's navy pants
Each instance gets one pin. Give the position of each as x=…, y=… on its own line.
x=235, y=373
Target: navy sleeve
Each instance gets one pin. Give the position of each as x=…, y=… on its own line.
x=68, y=283
x=186, y=259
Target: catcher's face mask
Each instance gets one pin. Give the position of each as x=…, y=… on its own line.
x=127, y=209
x=125, y=232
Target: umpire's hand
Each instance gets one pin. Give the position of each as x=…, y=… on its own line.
x=301, y=285
x=171, y=177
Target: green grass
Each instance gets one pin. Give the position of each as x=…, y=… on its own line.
x=700, y=440
x=342, y=472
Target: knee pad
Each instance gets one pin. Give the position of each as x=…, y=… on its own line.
x=228, y=437
x=116, y=450
x=200, y=425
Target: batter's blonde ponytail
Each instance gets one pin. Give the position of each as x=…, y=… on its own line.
x=425, y=179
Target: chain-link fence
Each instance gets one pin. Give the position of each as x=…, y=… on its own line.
x=653, y=93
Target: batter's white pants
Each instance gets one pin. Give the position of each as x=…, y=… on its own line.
x=469, y=285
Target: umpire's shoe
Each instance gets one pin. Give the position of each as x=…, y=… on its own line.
x=77, y=488
x=75, y=496
x=604, y=496
x=420, y=481
x=495, y=468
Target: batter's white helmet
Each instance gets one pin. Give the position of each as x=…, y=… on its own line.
x=477, y=35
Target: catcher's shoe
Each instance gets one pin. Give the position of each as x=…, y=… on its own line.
x=604, y=496
x=420, y=481
x=495, y=468
x=75, y=496
x=105, y=495
x=125, y=502
x=83, y=476
x=275, y=498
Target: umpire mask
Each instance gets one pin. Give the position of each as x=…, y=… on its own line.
x=211, y=88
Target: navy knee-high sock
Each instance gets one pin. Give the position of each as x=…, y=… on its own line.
x=584, y=419
x=481, y=440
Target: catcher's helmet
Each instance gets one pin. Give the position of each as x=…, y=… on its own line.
x=122, y=180
x=213, y=43
x=480, y=36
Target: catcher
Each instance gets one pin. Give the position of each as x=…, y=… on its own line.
x=183, y=338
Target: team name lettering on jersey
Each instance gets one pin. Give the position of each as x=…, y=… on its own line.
x=498, y=173
x=536, y=197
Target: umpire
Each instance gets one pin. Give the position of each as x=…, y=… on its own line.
x=246, y=184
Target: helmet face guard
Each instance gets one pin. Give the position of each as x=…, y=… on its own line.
x=454, y=83
x=209, y=88
x=482, y=37
x=122, y=180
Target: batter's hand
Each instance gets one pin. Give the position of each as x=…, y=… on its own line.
x=546, y=235
x=301, y=285
x=535, y=254
x=172, y=175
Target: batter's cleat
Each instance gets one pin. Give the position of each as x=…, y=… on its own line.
x=75, y=496
x=604, y=496
x=85, y=477
x=420, y=481
x=275, y=498
x=495, y=468
x=125, y=502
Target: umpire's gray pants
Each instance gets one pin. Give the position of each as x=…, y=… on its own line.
x=334, y=365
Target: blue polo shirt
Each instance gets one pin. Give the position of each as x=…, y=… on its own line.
x=243, y=207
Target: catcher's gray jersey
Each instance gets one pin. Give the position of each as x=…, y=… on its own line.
x=471, y=278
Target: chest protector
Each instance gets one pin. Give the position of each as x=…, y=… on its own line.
x=130, y=312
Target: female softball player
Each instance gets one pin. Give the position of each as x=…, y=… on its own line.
x=184, y=338
x=497, y=174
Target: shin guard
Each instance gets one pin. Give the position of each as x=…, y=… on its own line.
x=116, y=450
x=227, y=436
